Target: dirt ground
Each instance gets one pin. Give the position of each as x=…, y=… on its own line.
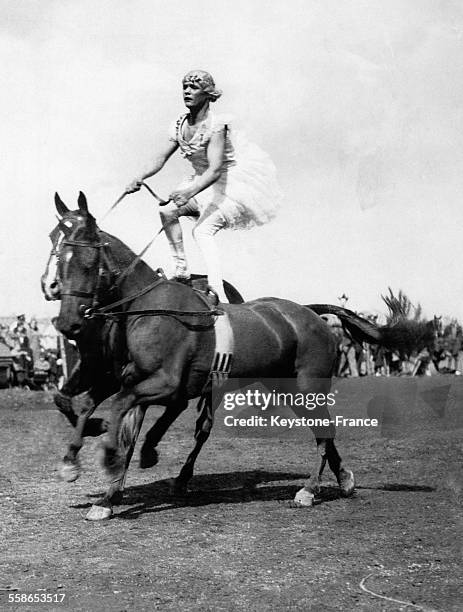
x=235, y=543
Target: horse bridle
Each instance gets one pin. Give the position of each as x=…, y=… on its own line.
x=55, y=251
x=103, y=258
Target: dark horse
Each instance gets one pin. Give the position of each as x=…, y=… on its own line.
x=165, y=358
x=93, y=380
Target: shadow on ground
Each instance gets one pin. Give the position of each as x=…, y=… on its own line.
x=230, y=488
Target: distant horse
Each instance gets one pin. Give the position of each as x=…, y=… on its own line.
x=92, y=380
x=165, y=358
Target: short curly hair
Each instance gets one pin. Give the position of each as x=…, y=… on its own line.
x=205, y=81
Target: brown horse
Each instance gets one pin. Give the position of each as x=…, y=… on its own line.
x=165, y=358
x=92, y=380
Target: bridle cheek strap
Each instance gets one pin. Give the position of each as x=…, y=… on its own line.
x=102, y=258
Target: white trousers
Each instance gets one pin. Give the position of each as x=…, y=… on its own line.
x=208, y=223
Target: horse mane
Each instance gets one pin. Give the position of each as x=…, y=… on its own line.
x=126, y=253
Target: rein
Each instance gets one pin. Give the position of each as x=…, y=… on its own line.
x=104, y=263
x=108, y=312
x=161, y=202
x=130, y=267
x=132, y=264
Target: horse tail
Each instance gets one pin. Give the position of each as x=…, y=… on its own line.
x=403, y=336
x=359, y=328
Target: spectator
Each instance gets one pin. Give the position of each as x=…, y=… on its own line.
x=34, y=340
x=20, y=322
x=50, y=337
x=42, y=364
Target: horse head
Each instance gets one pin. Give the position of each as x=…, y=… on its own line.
x=69, y=221
x=80, y=268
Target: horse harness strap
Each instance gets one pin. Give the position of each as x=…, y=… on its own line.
x=100, y=246
x=138, y=257
x=105, y=310
x=108, y=312
x=220, y=366
x=224, y=347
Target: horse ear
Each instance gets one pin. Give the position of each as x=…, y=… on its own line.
x=60, y=205
x=82, y=201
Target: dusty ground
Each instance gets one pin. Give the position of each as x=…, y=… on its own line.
x=236, y=544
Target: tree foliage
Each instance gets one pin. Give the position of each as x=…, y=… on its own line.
x=401, y=308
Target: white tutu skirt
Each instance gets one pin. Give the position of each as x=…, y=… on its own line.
x=247, y=193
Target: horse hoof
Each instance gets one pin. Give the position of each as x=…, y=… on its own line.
x=149, y=457
x=99, y=513
x=69, y=472
x=346, y=483
x=304, y=498
x=116, y=498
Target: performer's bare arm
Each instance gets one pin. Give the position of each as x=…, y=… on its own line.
x=160, y=159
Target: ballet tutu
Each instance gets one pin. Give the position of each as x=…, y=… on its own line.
x=247, y=192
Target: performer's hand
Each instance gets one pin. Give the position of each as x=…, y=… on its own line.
x=134, y=186
x=180, y=197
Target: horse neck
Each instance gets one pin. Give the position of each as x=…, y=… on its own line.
x=139, y=276
x=169, y=295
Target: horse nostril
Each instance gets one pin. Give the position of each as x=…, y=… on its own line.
x=54, y=290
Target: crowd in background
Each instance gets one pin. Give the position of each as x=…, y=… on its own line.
x=363, y=359
x=30, y=355
x=36, y=356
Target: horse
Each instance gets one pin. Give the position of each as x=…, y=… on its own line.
x=92, y=380
x=161, y=344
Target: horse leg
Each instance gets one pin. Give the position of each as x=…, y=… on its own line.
x=160, y=387
x=325, y=446
x=69, y=399
x=84, y=403
x=113, y=461
x=63, y=397
x=345, y=478
x=130, y=430
x=202, y=431
x=70, y=468
x=148, y=453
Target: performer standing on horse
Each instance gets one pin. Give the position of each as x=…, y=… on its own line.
x=233, y=185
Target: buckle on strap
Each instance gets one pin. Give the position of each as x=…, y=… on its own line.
x=86, y=311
